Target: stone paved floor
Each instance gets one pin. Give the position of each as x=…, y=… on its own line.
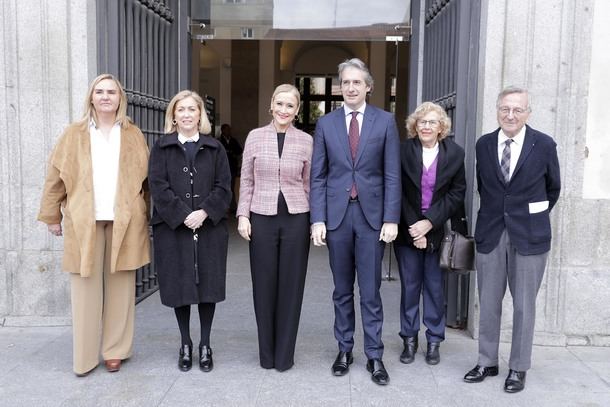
x=36, y=370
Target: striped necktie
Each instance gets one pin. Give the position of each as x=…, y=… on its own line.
x=505, y=162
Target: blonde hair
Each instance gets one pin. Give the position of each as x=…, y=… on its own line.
x=286, y=88
x=204, y=122
x=424, y=109
x=89, y=112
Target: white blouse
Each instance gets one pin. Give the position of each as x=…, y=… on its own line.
x=105, y=152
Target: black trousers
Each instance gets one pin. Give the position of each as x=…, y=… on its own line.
x=279, y=250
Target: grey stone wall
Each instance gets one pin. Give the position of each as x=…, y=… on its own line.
x=47, y=60
x=546, y=47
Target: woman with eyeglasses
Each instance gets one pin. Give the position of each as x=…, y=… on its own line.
x=433, y=190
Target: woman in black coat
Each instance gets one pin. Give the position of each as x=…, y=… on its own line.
x=190, y=184
x=433, y=190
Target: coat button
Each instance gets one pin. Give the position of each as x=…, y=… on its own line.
x=188, y=195
x=185, y=169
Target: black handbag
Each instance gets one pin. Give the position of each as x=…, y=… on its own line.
x=457, y=253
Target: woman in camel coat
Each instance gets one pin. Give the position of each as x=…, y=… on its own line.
x=96, y=186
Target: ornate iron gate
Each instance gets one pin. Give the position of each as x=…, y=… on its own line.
x=448, y=35
x=145, y=43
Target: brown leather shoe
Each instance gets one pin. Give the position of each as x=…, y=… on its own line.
x=113, y=365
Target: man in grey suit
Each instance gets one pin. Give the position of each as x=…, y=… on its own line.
x=518, y=181
x=355, y=195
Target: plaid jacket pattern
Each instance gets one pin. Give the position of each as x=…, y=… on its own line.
x=264, y=174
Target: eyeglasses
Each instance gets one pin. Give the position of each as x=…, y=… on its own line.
x=431, y=123
x=517, y=111
x=356, y=83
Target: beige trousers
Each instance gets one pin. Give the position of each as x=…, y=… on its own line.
x=103, y=308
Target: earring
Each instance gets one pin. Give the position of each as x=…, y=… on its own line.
x=174, y=122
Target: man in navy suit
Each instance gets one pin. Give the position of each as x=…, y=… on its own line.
x=355, y=206
x=518, y=181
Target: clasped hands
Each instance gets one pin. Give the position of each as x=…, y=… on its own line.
x=195, y=219
x=418, y=232
x=389, y=231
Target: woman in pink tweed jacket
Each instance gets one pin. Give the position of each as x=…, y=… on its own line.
x=273, y=215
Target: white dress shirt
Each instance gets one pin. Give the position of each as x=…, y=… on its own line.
x=515, y=148
x=359, y=117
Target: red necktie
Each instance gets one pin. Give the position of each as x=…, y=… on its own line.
x=354, y=136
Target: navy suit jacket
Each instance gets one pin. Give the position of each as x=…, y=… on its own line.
x=376, y=170
x=507, y=206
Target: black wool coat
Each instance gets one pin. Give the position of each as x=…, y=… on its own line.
x=447, y=199
x=189, y=271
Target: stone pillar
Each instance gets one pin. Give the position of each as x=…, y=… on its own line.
x=377, y=62
x=268, y=62
x=47, y=62
x=545, y=46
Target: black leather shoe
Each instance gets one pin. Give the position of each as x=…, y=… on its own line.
x=433, y=355
x=205, y=358
x=408, y=353
x=378, y=373
x=515, y=382
x=342, y=362
x=185, y=360
x=479, y=373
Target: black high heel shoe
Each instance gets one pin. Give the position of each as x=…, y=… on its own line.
x=185, y=360
x=205, y=358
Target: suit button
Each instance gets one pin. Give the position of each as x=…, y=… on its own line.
x=188, y=195
x=185, y=169
x=505, y=213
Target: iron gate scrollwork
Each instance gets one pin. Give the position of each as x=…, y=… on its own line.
x=138, y=42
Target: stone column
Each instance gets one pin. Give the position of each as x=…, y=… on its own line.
x=47, y=61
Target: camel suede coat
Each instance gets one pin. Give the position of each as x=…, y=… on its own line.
x=68, y=196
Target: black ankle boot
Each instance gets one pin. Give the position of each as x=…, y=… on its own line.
x=185, y=360
x=408, y=354
x=205, y=358
x=433, y=355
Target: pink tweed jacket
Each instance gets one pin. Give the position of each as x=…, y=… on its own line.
x=264, y=174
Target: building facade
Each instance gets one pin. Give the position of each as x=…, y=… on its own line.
x=555, y=48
